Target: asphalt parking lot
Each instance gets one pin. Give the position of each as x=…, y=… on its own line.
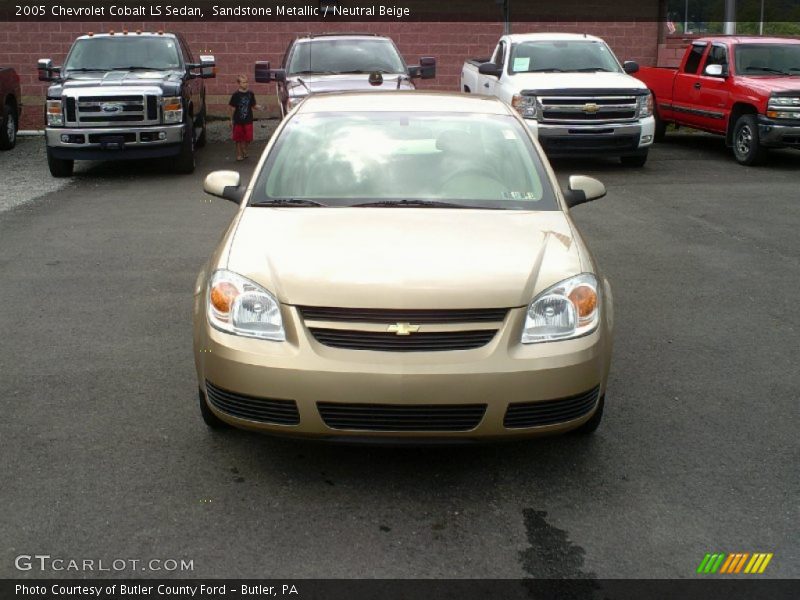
x=104, y=455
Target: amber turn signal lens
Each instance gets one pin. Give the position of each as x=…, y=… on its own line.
x=585, y=300
x=222, y=296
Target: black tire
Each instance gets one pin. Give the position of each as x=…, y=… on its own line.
x=185, y=161
x=202, y=138
x=59, y=167
x=661, y=128
x=594, y=422
x=8, y=128
x=747, y=147
x=637, y=160
x=210, y=419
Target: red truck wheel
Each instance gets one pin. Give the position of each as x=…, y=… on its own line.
x=747, y=147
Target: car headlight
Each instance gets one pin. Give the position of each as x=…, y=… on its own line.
x=566, y=310
x=242, y=307
x=526, y=106
x=645, y=105
x=293, y=101
x=784, y=107
x=172, y=109
x=55, y=115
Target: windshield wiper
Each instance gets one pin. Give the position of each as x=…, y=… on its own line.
x=311, y=72
x=138, y=68
x=412, y=204
x=550, y=70
x=85, y=69
x=592, y=70
x=767, y=69
x=363, y=72
x=287, y=202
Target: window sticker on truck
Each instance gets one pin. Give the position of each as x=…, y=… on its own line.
x=522, y=63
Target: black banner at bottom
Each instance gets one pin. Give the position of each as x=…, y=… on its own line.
x=399, y=589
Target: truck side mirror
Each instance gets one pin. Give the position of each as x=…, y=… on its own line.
x=583, y=189
x=427, y=68
x=46, y=69
x=489, y=68
x=630, y=67
x=264, y=74
x=208, y=67
x=716, y=71
x=224, y=184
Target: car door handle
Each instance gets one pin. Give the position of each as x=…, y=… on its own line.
x=697, y=86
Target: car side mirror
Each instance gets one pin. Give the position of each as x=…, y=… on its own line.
x=583, y=189
x=716, y=71
x=208, y=67
x=224, y=184
x=46, y=69
x=264, y=74
x=490, y=68
x=630, y=67
x=425, y=70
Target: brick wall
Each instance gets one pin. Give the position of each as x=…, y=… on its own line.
x=237, y=45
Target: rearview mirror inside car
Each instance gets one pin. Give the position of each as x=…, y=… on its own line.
x=583, y=189
x=224, y=184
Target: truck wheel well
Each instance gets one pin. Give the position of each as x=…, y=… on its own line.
x=11, y=101
x=467, y=90
x=737, y=111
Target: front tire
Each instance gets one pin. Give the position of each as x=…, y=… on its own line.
x=185, y=162
x=594, y=422
x=59, y=167
x=747, y=146
x=210, y=419
x=8, y=128
x=661, y=128
x=637, y=160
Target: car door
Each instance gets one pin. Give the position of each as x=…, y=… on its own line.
x=487, y=84
x=687, y=87
x=714, y=95
x=193, y=87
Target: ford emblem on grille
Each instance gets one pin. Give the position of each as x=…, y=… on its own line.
x=111, y=107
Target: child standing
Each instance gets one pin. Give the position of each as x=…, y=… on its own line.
x=242, y=103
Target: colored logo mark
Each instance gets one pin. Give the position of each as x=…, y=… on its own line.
x=735, y=563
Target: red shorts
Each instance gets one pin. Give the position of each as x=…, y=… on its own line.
x=242, y=132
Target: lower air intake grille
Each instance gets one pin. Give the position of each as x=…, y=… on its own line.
x=550, y=412
x=263, y=410
x=401, y=417
x=391, y=342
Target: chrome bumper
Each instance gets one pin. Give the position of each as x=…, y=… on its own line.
x=773, y=134
x=596, y=138
x=98, y=137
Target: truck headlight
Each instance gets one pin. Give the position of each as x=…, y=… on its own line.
x=784, y=107
x=55, y=115
x=645, y=105
x=569, y=309
x=526, y=106
x=172, y=109
x=242, y=307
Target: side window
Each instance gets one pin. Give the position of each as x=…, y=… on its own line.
x=187, y=55
x=693, y=62
x=285, y=63
x=718, y=55
x=499, y=54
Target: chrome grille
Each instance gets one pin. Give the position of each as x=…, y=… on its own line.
x=588, y=109
x=113, y=110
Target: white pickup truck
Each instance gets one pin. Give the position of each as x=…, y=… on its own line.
x=573, y=93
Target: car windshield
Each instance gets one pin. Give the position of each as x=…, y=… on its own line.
x=768, y=59
x=405, y=159
x=559, y=56
x=346, y=56
x=107, y=53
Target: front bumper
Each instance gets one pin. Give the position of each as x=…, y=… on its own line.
x=114, y=143
x=777, y=134
x=326, y=383
x=615, y=139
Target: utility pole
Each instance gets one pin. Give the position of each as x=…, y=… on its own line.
x=730, y=17
x=506, y=8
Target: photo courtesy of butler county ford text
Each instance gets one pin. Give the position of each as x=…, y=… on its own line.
x=343, y=300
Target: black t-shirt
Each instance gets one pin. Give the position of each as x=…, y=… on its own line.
x=243, y=103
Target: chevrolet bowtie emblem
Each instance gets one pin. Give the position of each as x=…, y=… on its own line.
x=591, y=108
x=403, y=328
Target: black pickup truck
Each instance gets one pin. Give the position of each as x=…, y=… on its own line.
x=10, y=107
x=337, y=62
x=126, y=96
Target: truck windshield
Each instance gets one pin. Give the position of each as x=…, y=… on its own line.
x=557, y=56
x=405, y=159
x=109, y=53
x=346, y=56
x=767, y=59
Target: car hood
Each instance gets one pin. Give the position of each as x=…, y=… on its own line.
x=404, y=257
x=576, y=81
x=340, y=83
x=169, y=81
x=773, y=84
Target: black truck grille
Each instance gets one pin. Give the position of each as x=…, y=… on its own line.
x=391, y=342
x=263, y=410
x=550, y=412
x=394, y=315
x=401, y=417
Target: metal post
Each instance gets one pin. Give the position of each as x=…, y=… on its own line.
x=761, y=22
x=730, y=17
x=686, y=18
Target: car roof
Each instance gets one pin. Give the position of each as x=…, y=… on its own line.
x=338, y=36
x=402, y=101
x=550, y=37
x=128, y=34
x=746, y=39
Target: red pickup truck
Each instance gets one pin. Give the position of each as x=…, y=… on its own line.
x=745, y=88
x=10, y=107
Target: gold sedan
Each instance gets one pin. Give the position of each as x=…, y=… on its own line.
x=402, y=265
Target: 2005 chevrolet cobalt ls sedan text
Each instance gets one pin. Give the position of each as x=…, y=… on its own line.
x=402, y=265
